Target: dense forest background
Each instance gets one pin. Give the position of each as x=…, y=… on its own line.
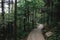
x=29, y=13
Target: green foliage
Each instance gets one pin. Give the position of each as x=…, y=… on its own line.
x=28, y=10
x=53, y=14
x=29, y=13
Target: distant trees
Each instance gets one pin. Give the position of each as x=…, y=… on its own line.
x=29, y=12
x=53, y=16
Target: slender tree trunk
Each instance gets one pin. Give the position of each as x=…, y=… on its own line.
x=3, y=26
x=15, y=21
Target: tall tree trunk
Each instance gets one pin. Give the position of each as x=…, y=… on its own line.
x=15, y=21
x=3, y=26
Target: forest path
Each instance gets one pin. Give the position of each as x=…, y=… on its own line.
x=36, y=34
